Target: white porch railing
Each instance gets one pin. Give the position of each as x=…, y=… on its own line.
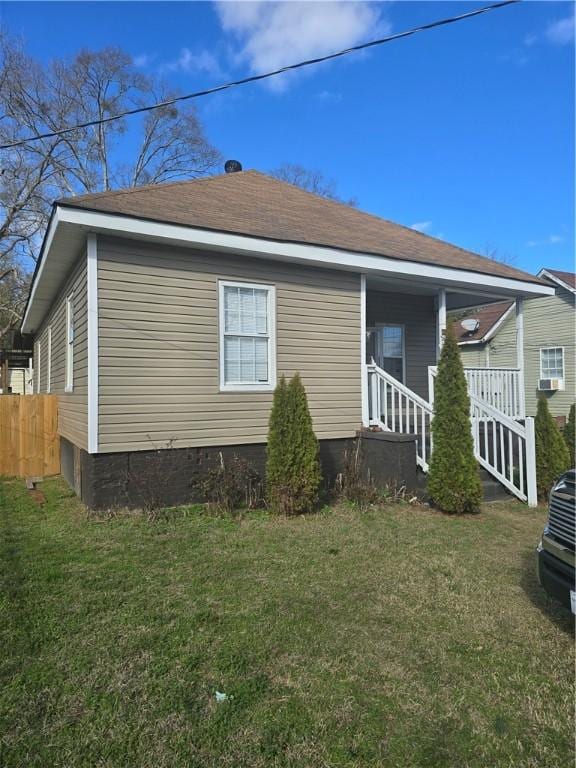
x=395, y=408
x=503, y=446
x=502, y=388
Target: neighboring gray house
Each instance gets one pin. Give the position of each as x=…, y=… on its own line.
x=164, y=315
x=549, y=354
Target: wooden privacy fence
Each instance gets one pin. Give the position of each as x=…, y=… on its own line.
x=29, y=441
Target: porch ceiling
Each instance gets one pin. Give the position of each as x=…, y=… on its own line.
x=456, y=298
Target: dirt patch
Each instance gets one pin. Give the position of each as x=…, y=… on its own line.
x=37, y=496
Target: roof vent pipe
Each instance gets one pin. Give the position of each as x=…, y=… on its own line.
x=232, y=166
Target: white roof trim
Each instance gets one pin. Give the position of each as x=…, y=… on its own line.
x=324, y=256
x=130, y=226
x=492, y=331
x=48, y=238
x=556, y=279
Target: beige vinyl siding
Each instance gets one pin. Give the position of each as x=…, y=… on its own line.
x=158, y=347
x=418, y=316
x=72, y=406
x=548, y=322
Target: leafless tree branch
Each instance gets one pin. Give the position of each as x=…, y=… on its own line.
x=165, y=144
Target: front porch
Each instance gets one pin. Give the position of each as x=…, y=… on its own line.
x=403, y=330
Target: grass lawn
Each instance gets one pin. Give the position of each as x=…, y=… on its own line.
x=396, y=637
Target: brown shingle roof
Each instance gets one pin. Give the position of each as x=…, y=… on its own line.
x=567, y=277
x=254, y=204
x=487, y=317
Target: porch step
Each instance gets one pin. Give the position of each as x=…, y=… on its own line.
x=491, y=488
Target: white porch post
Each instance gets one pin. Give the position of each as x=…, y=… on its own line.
x=440, y=321
x=531, y=486
x=520, y=355
x=363, y=368
x=92, y=339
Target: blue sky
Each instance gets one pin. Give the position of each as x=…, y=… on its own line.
x=466, y=131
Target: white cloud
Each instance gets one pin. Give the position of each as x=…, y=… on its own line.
x=142, y=60
x=329, y=97
x=561, y=32
x=421, y=226
x=550, y=240
x=188, y=61
x=274, y=34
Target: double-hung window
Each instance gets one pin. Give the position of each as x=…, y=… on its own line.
x=552, y=363
x=69, y=384
x=247, y=336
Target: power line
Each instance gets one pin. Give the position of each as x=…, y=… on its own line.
x=256, y=78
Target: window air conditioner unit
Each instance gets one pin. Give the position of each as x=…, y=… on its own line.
x=551, y=385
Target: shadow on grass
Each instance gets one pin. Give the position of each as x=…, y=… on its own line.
x=551, y=608
x=13, y=584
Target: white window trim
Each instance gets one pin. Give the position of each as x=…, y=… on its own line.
x=49, y=361
x=39, y=367
x=69, y=373
x=271, y=385
x=546, y=349
x=398, y=325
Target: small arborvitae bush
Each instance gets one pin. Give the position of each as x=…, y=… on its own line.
x=293, y=465
x=552, y=455
x=276, y=474
x=453, y=480
x=570, y=433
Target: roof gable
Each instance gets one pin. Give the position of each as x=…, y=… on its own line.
x=565, y=280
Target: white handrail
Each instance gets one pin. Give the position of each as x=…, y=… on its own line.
x=502, y=388
x=401, y=387
x=395, y=408
x=494, y=413
x=499, y=387
x=505, y=448
x=502, y=445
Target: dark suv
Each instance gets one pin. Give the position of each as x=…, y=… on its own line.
x=555, y=553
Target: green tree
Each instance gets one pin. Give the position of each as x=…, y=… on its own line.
x=277, y=438
x=570, y=433
x=453, y=479
x=552, y=455
x=293, y=465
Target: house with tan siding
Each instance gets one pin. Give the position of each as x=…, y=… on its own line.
x=163, y=316
x=548, y=357
x=15, y=363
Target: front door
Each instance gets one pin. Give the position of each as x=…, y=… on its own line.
x=385, y=343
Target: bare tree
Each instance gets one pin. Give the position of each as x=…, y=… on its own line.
x=162, y=145
x=311, y=180
x=492, y=252
x=13, y=292
x=170, y=143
